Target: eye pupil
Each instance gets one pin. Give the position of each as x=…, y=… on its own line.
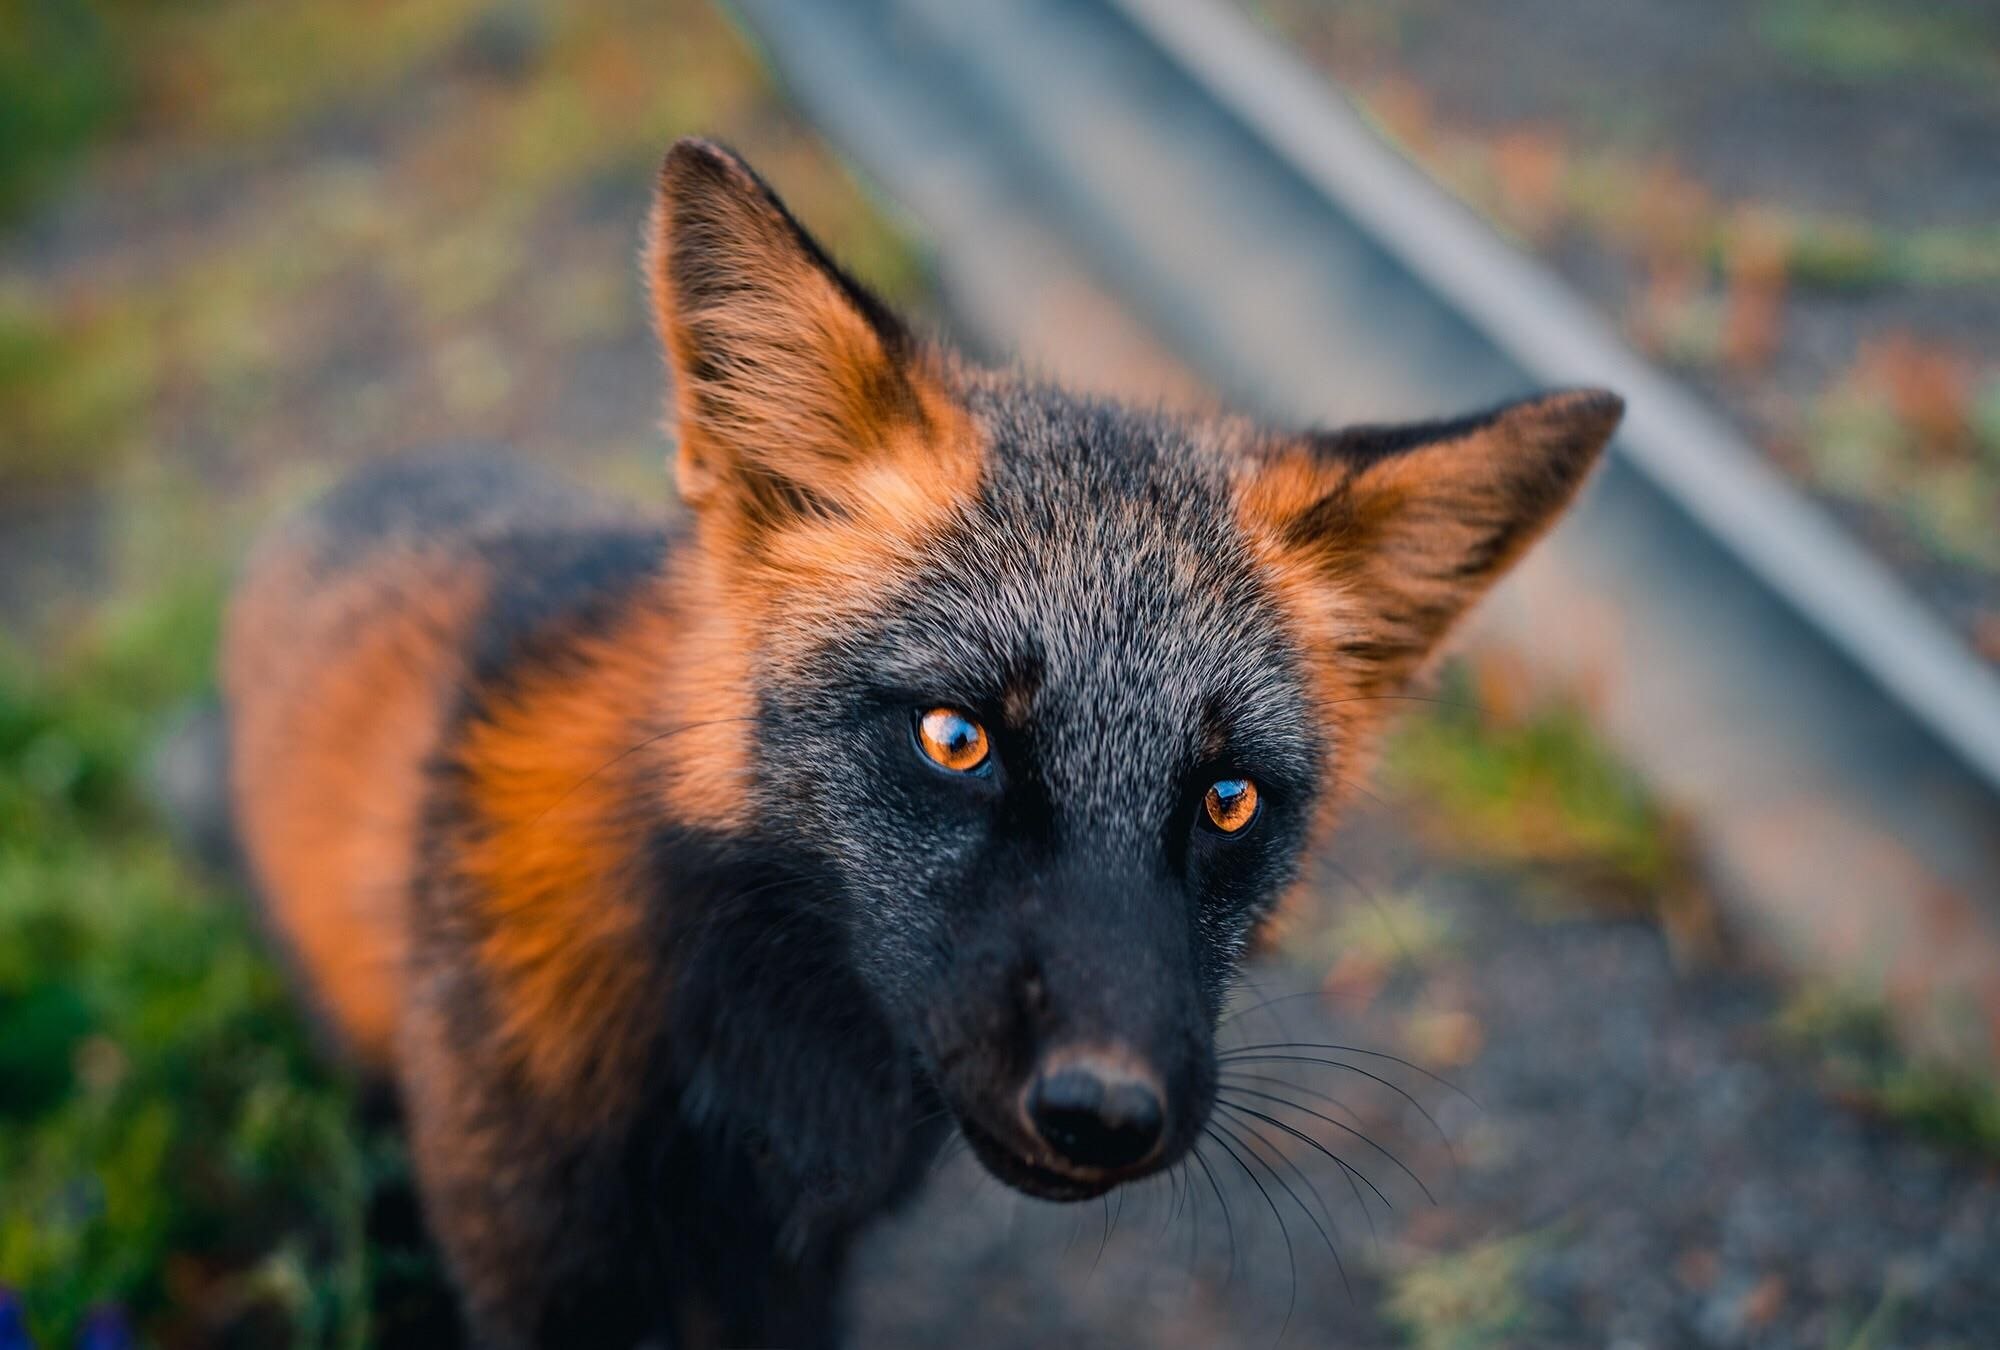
x=952, y=740
x=1231, y=804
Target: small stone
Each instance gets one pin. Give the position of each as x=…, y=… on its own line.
x=1764, y=1302
x=1696, y=1269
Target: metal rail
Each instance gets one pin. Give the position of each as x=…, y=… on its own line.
x=1839, y=749
x=1674, y=439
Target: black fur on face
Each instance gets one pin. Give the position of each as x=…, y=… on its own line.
x=1095, y=610
x=1132, y=607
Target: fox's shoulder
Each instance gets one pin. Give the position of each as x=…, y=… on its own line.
x=363, y=630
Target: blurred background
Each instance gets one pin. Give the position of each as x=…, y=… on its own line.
x=1678, y=909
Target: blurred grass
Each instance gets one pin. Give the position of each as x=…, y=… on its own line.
x=1533, y=182
x=1908, y=426
x=1503, y=776
x=62, y=84
x=1529, y=783
x=74, y=73
x=1851, y=1039
x=1467, y=1300
x=168, y=1141
x=290, y=237
x=1870, y=39
x=1768, y=293
x=302, y=234
x=72, y=394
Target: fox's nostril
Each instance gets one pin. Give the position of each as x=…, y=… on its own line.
x=1096, y=1121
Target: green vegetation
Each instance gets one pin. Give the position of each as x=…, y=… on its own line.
x=1905, y=428
x=74, y=73
x=1468, y=1300
x=1536, y=790
x=1605, y=164
x=169, y=1142
x=1533, y=183
x=72, y=394
x=1389, y=932
x=1869, y=39
x=1851, y=1038
x=61, y=85
x=1876, y=1331
x=1709, y=279
x=451, y=271
x=1522, y=783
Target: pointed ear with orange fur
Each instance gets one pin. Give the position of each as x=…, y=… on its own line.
x=1386, y=535
x=792, y=384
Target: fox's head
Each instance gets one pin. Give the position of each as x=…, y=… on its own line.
x=1060, y=692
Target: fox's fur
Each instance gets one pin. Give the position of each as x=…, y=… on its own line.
x=611, y=849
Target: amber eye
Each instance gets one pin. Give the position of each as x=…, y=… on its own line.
x=952, y=739
x=1232, y=805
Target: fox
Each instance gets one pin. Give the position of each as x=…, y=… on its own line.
x=687, y=880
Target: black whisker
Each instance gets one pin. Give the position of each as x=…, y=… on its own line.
x=1193, y=1202
x=1332, y=1249
x=1244, y=1076
x=1239, y=1076
x=1396, y=1088
x=1346, y=1167
x=1338, y=1125
x=1347, y=1174
x=1361, y=787
x=1229, y=1225
x=1262, y=1004
x=1387, y=1083
x=1243, y=985
x=1176, y=1197
x=1446, y=1083
x=1110, y=1223
x=1291, y=1257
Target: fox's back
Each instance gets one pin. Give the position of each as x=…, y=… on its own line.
x=939, y=775
x=353, y=640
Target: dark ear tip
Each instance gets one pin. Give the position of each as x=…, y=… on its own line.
x=1594, y=412
x=1571, y=425
x=691, y=159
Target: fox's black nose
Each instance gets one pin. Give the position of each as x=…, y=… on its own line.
x=1097, y=1114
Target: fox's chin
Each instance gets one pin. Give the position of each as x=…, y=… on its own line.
x=1030, y=1177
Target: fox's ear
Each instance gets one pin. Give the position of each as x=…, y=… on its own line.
x=1385, y=535
x=793, y=386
